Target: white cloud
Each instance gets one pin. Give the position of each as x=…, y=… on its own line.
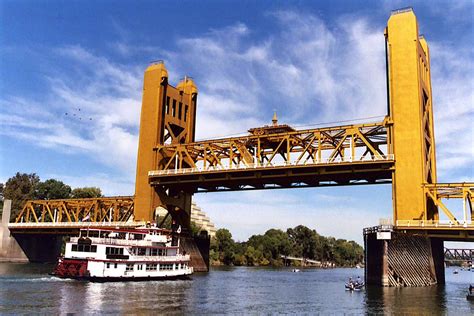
x=92, y=108
x=453, y=102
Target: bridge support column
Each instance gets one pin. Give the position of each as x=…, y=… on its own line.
x=198, y=250
x=401, y=259
x=10, y=251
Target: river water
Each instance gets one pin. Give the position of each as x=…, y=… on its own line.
x=28, y=289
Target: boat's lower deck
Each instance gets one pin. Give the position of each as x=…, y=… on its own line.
x=126, y=279
x=100, y=271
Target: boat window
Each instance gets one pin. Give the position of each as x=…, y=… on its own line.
x=166, y=266
x=154, y=252
x=129, y=267
x=113, y=251
x=139, y=266
x=84, y=248
x=115, y=266
x=141, y=251
x=151, y=267
x=107, y=265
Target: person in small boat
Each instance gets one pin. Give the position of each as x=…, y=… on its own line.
x=358, y=281
x=350, y=283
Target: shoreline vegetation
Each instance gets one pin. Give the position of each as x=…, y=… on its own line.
x=299, y=242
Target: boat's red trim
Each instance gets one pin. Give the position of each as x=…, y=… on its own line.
x=141, y=278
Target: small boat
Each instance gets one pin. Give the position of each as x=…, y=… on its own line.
x=455, y=271
x=295, y=270
x=354, y=286
x=105, y=254
x=470, y=296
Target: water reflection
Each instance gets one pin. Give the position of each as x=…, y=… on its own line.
x=424, y=300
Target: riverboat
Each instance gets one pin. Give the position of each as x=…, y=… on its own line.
x=123, y=255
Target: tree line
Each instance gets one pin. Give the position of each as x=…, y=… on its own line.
x=266, y=249
x=22, y=187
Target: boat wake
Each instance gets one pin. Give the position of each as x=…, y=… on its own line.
x=28, y=280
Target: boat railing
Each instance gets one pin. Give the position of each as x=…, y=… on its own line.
x=175, y=258
x=116, y=241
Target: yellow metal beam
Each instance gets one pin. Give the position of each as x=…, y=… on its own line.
x=77, y=210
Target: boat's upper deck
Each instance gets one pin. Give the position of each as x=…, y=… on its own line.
x=124, y=237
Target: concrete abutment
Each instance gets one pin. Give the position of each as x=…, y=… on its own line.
x=10, y=251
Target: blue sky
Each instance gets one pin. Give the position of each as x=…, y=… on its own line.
x=312, y=62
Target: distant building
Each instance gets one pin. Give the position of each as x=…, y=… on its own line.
x=198, y=216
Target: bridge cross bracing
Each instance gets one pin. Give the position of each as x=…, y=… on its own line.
x=459, y=255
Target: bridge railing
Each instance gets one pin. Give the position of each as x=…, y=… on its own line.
x=322, y=161
x=77, y=224
x=433, y=224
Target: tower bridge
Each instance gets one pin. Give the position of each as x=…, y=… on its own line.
x=172, y=166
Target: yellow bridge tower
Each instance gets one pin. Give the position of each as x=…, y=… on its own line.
x=411, y=114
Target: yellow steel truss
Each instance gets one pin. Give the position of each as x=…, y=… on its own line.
x=110, y=209
x=350, y=143
x=465, y=191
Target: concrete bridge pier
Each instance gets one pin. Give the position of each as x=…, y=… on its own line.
x=24, y=247
x=402, y=259
x=10, y=251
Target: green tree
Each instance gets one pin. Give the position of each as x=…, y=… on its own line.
x=272, y=245
x=86, y=192
x=52, y=189
x=255, y=256
x=223, y=244
x=19, y=188
x=305, y=242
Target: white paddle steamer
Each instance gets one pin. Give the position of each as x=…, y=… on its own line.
x=123, y=255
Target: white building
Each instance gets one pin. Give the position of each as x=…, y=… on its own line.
x=198, y=216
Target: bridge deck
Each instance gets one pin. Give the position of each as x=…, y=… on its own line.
x=67, y=227
x=328, y=172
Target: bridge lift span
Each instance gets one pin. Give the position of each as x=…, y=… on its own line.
x=172, y=166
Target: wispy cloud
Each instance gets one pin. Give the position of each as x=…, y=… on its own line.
x=93, y=109
x=453, y=99
x=303, y=69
